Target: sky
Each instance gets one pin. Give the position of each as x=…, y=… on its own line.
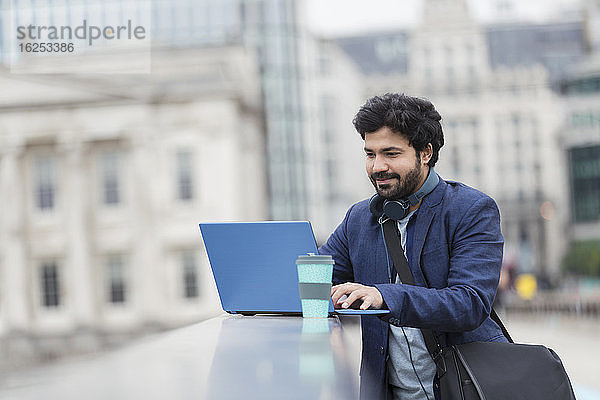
x=347, y=17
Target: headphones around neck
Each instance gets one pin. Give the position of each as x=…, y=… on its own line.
x=398, y=209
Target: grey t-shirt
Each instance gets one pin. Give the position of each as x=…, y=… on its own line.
x=406, y=343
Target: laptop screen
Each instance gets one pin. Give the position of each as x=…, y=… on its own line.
x=254, y=263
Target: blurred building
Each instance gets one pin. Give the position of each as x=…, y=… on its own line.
x=275, y=30
x=338, y=93
x=105, y=177
x=308, y=163
x=556, y=47
x=591, y=20
x=103, y=180
x=496, y=88
x=581, y=141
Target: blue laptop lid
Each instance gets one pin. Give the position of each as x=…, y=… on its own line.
x=254, y=263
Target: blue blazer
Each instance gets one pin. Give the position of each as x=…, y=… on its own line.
x=454, y=239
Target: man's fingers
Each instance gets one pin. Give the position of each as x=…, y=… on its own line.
x=338, y=291
x=352, y=297
x=367, y=301
x=369, y=296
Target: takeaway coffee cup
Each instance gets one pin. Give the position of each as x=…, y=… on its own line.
x=314, y=283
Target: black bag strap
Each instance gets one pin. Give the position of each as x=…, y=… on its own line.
x=497, y=320
x=392, y=241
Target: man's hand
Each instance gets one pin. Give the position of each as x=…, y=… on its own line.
x=369, y=295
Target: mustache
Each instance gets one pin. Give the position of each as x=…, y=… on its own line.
x=384, y=175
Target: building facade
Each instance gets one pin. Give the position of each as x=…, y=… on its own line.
x=580, y=139
x=337, y=91
x=496, y=88
x=275, y=30
x=103, y=182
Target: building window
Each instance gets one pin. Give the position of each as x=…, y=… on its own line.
x=50, y=284
x=44, y=183
x=115, y=274
x=537, y=172
x=185, y=175
x=588, y=119
x=190, y=275
x=324, y=66
x=456, y=161
x=535, y=130
x=585, y=183
x=109, y=170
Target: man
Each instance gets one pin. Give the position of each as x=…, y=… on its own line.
x=451, y=238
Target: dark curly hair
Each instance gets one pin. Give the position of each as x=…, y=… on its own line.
x=412, y=117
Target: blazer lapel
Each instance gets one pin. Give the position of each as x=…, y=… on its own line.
x=427, y=210
x=422, y=224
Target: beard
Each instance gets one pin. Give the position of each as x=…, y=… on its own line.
x=404, y=186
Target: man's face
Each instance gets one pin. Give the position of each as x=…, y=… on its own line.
x=393, y=165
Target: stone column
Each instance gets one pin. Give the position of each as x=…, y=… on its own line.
x=147, y=270
x=78, y=274
x=15, y=285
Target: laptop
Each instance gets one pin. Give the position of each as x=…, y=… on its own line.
x=254, y=266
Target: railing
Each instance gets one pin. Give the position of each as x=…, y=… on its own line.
x=573, y=304
x=227, y=357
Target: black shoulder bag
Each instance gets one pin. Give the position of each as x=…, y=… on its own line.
x=487, y=370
